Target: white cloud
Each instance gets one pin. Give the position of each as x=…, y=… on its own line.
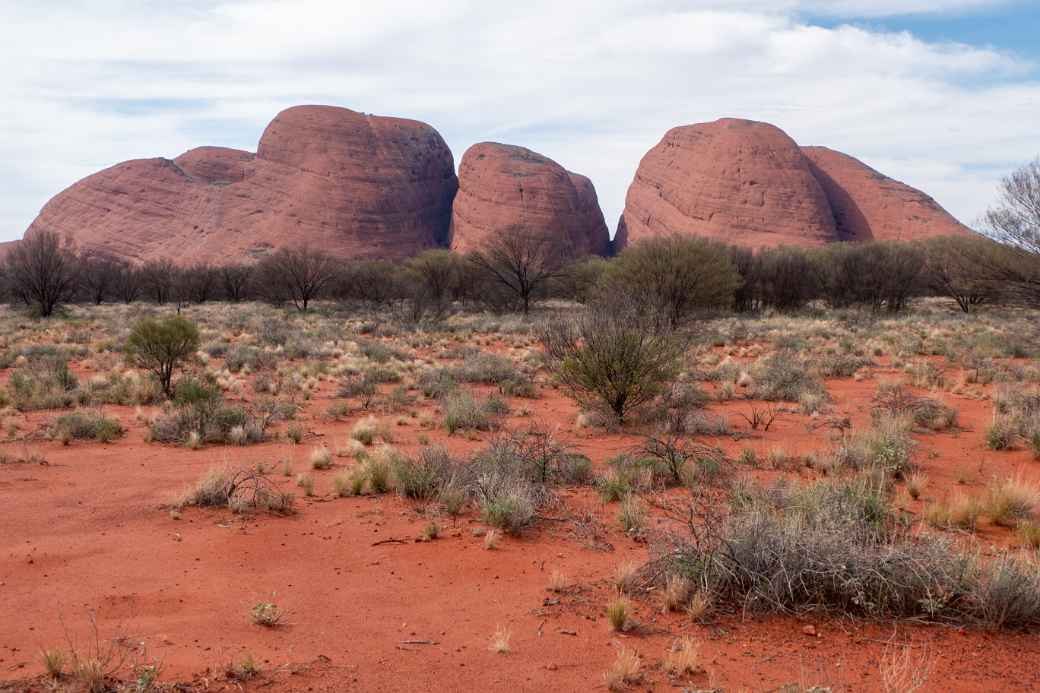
x=592, y=84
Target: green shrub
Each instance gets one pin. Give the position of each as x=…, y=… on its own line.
x=612, y=360
x=161, y=345
x=784, y=376
x=464, y=413
x=425, y=477
x=88, y=426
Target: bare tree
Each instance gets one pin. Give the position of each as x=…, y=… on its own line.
x=128, y=282
x=1015, y=218
x=98, y=275
x=41, y=271
x=236, y=280
x=198, y=283
x=160, y=280
x=1015, y=222
x=953, y=268
x=522, y=261
x=297, y=274
x=433, y=277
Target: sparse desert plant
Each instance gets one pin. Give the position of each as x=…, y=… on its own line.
x=1010, y=501
x=431, y=531
x=619, y=614
x=1001, y=434
x=462, y=412
x=676, y=593
x=684, y=658
x=365, y=430
x=915, y=484
x=321, y=458
x=784, y=376
x=624, y=672
x=614, y=486
x=266, y=614
x=294, y=433
x=558, y=582
x=424, y=477
x=902, y=671
x=500, y=640
x=305, y=482
x=632, y=515
x=349, y=483
x=960, y=512
x=491, y=539
x=699, y=605
x=240, y=490
x=53, y=662
x=626, y=576
x=81, y=425
x=160, y=346
x=612, y=360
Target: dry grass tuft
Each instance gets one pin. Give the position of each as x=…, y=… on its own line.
x=500, y=640
x=684, y=658
x=625, y=670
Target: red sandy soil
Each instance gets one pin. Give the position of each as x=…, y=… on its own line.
x=87, y=533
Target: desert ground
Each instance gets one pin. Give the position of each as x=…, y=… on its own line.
x=113, y=563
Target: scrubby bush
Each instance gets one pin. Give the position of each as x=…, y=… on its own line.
x=462, y=412
x=198, y=414
x=836, y=546
x=46, y=382
x=671, y=277
x=240, y=490
x=612, y=359
x=161, y=345
x=784, y=376
x=87, y=426
x=426, y=476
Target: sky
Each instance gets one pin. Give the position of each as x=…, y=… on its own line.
x=941, y=94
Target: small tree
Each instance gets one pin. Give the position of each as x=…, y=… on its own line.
x=300, y=275
x=159, y=280
x=1015, y=218
x=954, y=267
x=236, y=281
x=434, y=277
x=521, y=261
x=41, y=271
x=160, y=346
x=198, y=283
x=97, y=277
x=128, y=282
x=672, y=276
x=614, y=358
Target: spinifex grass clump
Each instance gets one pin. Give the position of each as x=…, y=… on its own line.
x=837, y=546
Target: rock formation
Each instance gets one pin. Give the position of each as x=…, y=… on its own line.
x=503, y=185
x=870, y=206
x=736, y=181
x=748, y=183
x=354, y=185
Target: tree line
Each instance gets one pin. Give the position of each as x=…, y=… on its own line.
x=670, y=277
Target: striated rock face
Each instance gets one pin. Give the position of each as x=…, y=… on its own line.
x=502, y=185
x=736, y=181
x=352, y=184
x=870, y=206
x=749, y=184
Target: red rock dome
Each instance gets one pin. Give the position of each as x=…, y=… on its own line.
x=737, y=181
x=354, y=185
x=868, y=205
x=503, y=185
